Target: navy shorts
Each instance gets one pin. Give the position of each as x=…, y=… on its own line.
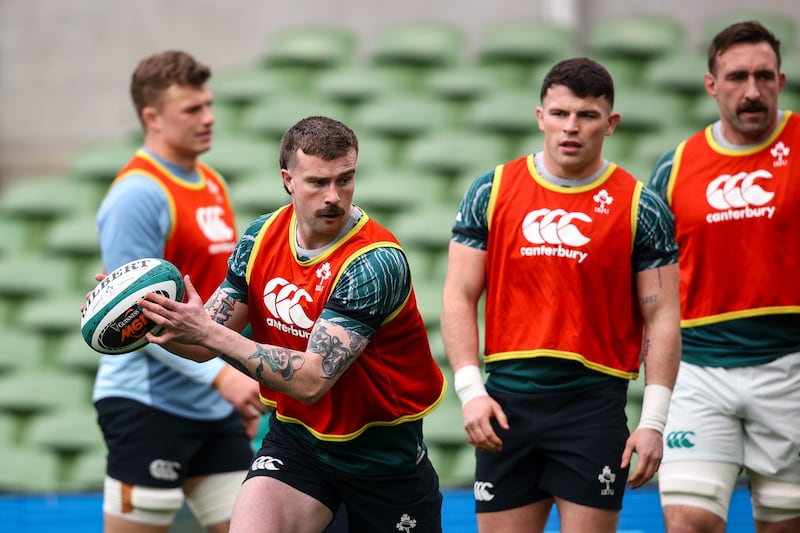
x=153, y=448
x=379, y=502
x=565, y=444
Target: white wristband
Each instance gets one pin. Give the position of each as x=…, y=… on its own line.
x=655, y=406
x=468, y=382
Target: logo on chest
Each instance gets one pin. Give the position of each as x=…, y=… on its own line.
x=284, y=301
x=556, y=233
x=739, y=196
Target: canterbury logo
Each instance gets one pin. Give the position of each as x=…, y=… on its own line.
x=266, y=463
x=211, y=222
x=554, y=227
x=739, y=196
x=483, y=491
x=680, y=439
x=164, y=470
x=283, y=301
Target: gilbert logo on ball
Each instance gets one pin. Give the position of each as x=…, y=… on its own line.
x=112, y=322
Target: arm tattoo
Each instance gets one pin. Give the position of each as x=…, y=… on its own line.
x=335, y=355
x=651, y=299
x=280, y=360
x=221, y=305
x=238, y=365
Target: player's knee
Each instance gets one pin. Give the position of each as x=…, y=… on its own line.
x=212, y=499
x=703, y=484
x=146, y=505
x=774, y=501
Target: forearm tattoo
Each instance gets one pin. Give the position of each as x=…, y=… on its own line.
x=221, y=306
x=280, y=360
x=653, y=298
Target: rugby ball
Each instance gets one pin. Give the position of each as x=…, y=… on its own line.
x=111, y=322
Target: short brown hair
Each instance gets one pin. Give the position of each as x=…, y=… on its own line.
x=319, y=136
x=156, y=73
x=749, y=31
x=583, y=76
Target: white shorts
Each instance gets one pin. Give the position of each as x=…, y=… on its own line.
x=749, y=416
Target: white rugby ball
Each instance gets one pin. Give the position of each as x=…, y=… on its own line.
x=111, y=322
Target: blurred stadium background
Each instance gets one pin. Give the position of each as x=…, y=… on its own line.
x=437, y=91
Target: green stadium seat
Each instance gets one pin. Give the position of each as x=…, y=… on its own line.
x=21, y=350
x=680, y=72
x=74, y=236
x=14, y=232
x=643, y=111
x=400, y=115
x=508, y=112
x=66, y=431
x=100, y=162
x=258, y=193
x=27, y=470
x=515, y=46
x=648, y=148
x=636, y=36
x=429, y=300
x=462, y=82
x=353, y=84
x=9, y=430
x=425, y=43
x=244, y=85
x=452, y=152
x=444, y=425
x=395, y=190
x=269, y=118
x=88, y=471
x=47, y=197
x=74, y=355
x=310, y=47
x=237, y=156
x=28, y=392
x=53, y=314
x=426, y=226
x=30, y=275
x=790, y=64
x=784, y=27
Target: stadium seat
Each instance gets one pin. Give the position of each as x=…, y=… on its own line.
x=444, y=426
x=648, y=148
x=269, y=118
x=87, y=472
x=636, y=36
x=74, y=355
x=74, y=236
x=47, y=197
x=30, y=275
x=28, y=392
x=679, y=72
x=429, y=300
x=21, y=350
x=28, y=470
x=356, y=83
x=243, y=85
x=425, y=43
x=462, y=82
x=52, y=315
x=99, y=162
x=415, y=49
x=451, y=152
x=394, y=190
x=643, y=111
x=237, y=156
x=426, y=226
x=315, y=47
x=784, y=27
x=14, y=234
x=508, y=112
x=66, y=431
x=9, y=430
x=258, y=194
x=400, y=115
x=514, y=46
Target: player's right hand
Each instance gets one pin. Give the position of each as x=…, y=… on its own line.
x=477, y=415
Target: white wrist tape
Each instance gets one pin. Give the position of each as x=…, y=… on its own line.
x=655, y=406
x=468, y=382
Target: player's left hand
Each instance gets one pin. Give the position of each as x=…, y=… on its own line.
x=648, y=444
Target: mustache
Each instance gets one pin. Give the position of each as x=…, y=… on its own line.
x=752, y=107
x=331, y=211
